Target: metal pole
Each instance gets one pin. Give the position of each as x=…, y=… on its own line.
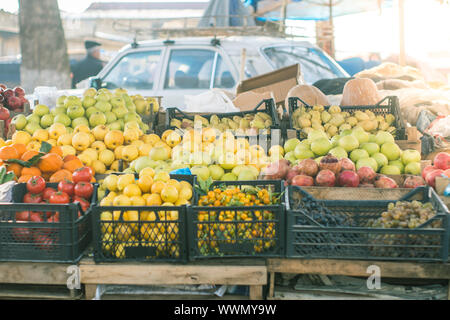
x=283, y=15
x=332, y=49
x=401, y=12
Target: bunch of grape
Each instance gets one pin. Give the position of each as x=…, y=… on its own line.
x=405, y=214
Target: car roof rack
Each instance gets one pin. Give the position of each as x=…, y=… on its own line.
x=172, y=28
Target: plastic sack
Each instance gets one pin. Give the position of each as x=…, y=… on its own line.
x=212, y=101
x=46, y=96
x=6, y=191
x=440, y=127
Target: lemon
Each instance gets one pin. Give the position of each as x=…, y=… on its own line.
x=145, y=183
x=157, y=187
x=154, y=200
x=132, y=190
x=162, y=176
x=131, y=216
x=121, y=201
x=182, y=202
x=185, y=184
x=150, y=216
x=147, y=172
x=174, y=183
x=125, y=180
x=169, y=194
x=145, y=196
x=106, y=202
x=138, y=201
x=185, y=194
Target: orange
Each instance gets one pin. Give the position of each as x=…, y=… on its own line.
x=8, y=152
x=57, y=150
x=16, y=168
x=32, y=171
x=24, y=179
x=28, y=155
x=21, y=149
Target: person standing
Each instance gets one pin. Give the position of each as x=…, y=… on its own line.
x=90, y=66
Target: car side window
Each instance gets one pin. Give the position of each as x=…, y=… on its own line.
x=190, y=69
x=134, y=71
x=223, y=76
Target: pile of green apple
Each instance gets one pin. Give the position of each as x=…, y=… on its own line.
x=95, y=108
x=378, y=151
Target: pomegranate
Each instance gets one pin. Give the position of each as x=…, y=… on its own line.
x=326, y=178
x=427, y=170
x=431, y=177
x=412, y=182
x=348, y=179
x=331, y=163
x=385, y=182
x=347, y=165
x=14, y=102
x=303, y=181
x=291, y=174
x=277, y=170
x=308, y=167
x=4, y=113
x=442, y=161
x=367, y=174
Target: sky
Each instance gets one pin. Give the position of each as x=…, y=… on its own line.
x=78, y=6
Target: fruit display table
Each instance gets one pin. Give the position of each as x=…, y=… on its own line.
x=38, y=280
x=248, y=273
x=355, y=268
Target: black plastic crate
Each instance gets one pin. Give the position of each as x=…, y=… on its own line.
x=267, y=106
x=340, y=230
x=389, y=105
x=139, y=239
x=238, y=231
x=142, y=234
x=64, y=241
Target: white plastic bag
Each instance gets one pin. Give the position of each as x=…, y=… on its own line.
x=46, y=96
x=212, y=101
x=440, y=127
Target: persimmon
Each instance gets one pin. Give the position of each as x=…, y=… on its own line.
x=8, y=152
x=51, y=162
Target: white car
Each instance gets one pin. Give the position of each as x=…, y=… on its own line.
x=190, y=66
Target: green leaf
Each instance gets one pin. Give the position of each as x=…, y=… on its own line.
x=29, y=163
x=45, y=147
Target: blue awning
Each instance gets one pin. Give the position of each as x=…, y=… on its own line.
x=320, y=10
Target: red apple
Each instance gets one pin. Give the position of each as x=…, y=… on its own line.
x=14, y=102
x=8, y=93
x=4, y=113
x=427, y=170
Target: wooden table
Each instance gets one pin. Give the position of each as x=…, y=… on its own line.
x=224, y=272
x=356, y=268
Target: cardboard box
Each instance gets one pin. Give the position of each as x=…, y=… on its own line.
x=274, y=85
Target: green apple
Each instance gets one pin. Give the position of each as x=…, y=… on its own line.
x=349, y=143
x=34, y=118
x=120, y=112
x=32, y=127
x=391, y=170
x=290, y=145
x=91, y=92
x=72, y=101
x=358, y=154
x=41, y=110
x=142, y=106
x=110, y=117
x=339, y=152
x=410, y=156
x=413, y=168
x=131, y=116
x=391, y=151
x=97, y=119
x=321, y=146
x=58, y=110
x=19, y=121
x=47, y=121
x=90, y=111
x=60, y=101
x=367, y=162
x=398, y=164
x=62, y=118
x=380, y=159
x=75, y=111
x=114, y=126
x=229, y=177
x=290, y=156
x=88, y=102
x=103, y=106
x=80, y=121
x=383, y=137
x=361, y=135
x=316, y=134
x=117, y=102
x=371, y=148
x=103, y=96
x=246, y=174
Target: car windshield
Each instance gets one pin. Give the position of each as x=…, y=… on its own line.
x=315, y=65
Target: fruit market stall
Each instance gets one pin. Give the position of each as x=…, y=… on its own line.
x=211, y=198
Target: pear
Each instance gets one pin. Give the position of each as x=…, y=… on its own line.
x=361, y=116
x=352, y=121
x=383, y=126
x=370, y=114
x=304, y=122
x=337, y=120
x=258, y=124
x=175, y=123
x=244, y=124
x=214, y=120
x=204, y=121
x=390, y=119
x=325, y=117
x=318, y=108
x=237, y=119
x=334, y=109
